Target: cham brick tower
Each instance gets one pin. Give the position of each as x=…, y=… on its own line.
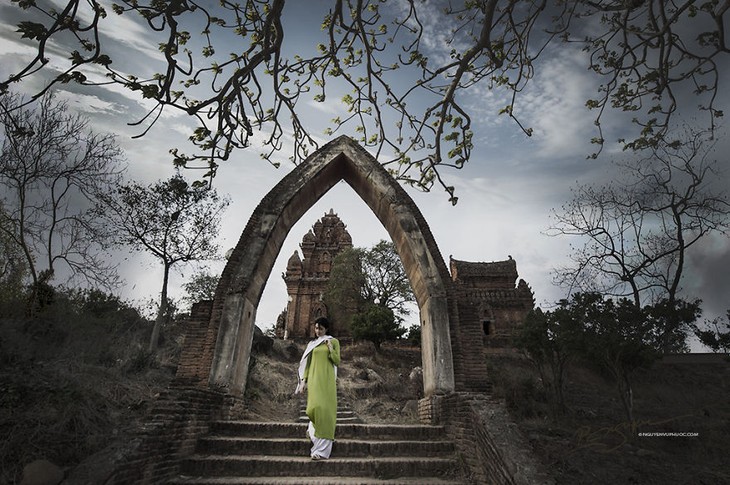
x=306, y=277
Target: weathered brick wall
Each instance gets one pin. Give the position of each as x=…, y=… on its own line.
x=506, y=308
x=457, y=353
x=191, y=368
x=470, y=348
x=180, y=416
x=474, y=444
x=488, y=442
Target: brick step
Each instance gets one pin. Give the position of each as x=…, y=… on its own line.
x=354, y=419
x=240, y=452
x=277, y=466
x=343, y=431
x=341, y=418
x=340, y=409
x=341, y=404
x=220, y=445
x=340, y=412
x=345, y=414
x=310, y=481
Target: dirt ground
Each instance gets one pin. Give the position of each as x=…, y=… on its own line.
x=380, y=387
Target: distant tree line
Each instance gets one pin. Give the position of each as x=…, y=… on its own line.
x=614, y=337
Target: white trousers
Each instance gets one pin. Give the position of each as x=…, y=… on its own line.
x=321, y=447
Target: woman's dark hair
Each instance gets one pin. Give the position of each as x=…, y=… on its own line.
x=324, y=322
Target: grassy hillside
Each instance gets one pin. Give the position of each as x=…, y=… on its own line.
x=591, y=442
x=75, y=380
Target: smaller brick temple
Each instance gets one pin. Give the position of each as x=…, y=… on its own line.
x=306, y=278
x=498, y=304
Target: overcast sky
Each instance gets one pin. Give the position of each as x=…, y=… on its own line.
x=505, y=192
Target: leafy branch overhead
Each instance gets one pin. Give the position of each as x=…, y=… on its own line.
x=410, y=99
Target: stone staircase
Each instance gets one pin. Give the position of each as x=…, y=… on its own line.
x=243, y=452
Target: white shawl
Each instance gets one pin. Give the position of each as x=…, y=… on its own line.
x=303, y=362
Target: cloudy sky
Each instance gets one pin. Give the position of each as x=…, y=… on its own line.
x=506, y=191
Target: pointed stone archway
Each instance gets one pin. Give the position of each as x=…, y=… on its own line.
x=228, y=335
x=456, y=306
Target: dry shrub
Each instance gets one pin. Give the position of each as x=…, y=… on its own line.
x=354, y=350
x=72, y=381
x=518, y=384
x=63, y=411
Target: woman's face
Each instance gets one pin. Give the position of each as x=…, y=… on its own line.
x=319, y=330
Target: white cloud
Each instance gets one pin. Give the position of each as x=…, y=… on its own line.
x=333, y=108
x=184, y=127
x=554, y=106
x=131, y=32
x=91, y=105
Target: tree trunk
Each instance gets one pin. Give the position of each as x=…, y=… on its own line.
x=161, y=312
x=627, y=396
x=558, y=371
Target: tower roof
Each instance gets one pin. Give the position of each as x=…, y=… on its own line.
x=294, y=261
x=484, y=274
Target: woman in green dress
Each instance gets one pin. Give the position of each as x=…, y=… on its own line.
x=318, y=375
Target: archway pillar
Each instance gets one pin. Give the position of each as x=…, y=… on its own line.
x=230, y=363
x=437, y=358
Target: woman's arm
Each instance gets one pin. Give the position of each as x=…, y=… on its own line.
x=306, y=368
x=334, y=350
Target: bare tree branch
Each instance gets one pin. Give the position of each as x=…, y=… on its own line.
x=51, y=172
x=636, y=232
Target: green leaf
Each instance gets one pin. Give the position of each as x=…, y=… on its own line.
x=25, y=4
x=76, y=58
x=74, y=76
x=103, y=60
x=150, y=91
x=32, y=30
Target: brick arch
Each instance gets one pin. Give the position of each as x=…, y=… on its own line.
x=242, y=282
